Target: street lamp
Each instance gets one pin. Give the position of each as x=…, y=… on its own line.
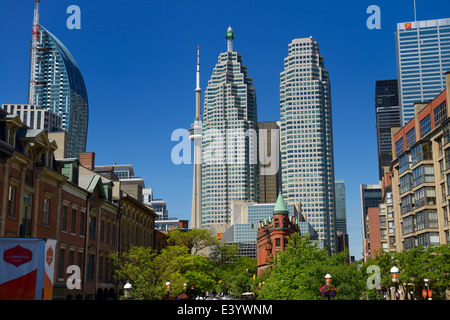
x=168, y=287
x=127, y=290
x=394, y=273
x=426, y=292
x=328, y=290
x=327, y=279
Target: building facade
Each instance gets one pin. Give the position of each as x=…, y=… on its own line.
x=306, y=137
x=34, y=117
x=423, y=57
x=269, y=151
x=371, y=195
x=246, y=217
x=44, y=198
x=272, y=234
x=59, y=87
x=341, y=216
x=387, y=115
x=229, y=139
x=421, y=175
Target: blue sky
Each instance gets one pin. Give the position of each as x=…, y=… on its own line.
x=138, y=59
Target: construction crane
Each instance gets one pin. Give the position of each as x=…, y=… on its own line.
x=34, y=50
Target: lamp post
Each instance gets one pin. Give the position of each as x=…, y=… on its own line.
x=127, y=290
x=394, y=273
x=327, y=279
x=426, y=292
x=168, y=288
x=328, y=282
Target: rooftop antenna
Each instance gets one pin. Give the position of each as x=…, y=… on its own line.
x=415, y=17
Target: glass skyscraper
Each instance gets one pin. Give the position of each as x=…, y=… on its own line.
x=306, y=137
x=371, y=195
x=60, y=88
x=229, y=135
x=423, y=57
x=387, y=115
x=341, y=219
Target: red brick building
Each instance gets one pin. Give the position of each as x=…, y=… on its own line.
x=373, y=231
x=41, y=197
x=272, y=234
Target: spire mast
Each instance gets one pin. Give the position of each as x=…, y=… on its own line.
x=35, y=32
x=198, y=90
x=229, y=36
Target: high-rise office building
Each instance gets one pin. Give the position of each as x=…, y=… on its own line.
x=387, y=115
x=371, y=195
x=423, y=57
x=306, y=137
x=34, y=117
x=245, y=221
x=341, y=219
x=269, y=184
x=56, y=84
x=229, y=134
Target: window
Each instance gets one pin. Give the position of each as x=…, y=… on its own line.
x=74, y=215
x=440, y=114
x=410, y=138
x=407, y=204
x=107, y=232
x=277, y=242
x=102, y=230
x=46, y=211
x=416, y=154
x=64, y=218
x=425, y=126
x=11, y=201
x=61, y=263
x=92, y=228
x=408, y=225
x=404, y=163
x=113, y=238
x=382, y=221
x=426, y=219
x=399, y=147
x=424, y=196
x=447, y=158
x=417, y=176
x=391, y=226
x=26, y=225
x=446, y=133
x=82, y=224
x=90, y=271
x=405, y=183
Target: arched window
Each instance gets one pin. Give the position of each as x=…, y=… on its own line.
x=277, y=223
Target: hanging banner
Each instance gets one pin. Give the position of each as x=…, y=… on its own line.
x=50, y=249
x=22, y=268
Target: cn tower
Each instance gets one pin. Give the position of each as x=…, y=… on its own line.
x=195, y=134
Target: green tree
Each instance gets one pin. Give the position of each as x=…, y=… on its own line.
x=299, y=272
x=149, y=270
x=415, y=265
x=195, y=239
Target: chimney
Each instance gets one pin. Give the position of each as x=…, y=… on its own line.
x=87, y=160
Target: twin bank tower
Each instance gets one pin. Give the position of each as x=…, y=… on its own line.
x=305, y=140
